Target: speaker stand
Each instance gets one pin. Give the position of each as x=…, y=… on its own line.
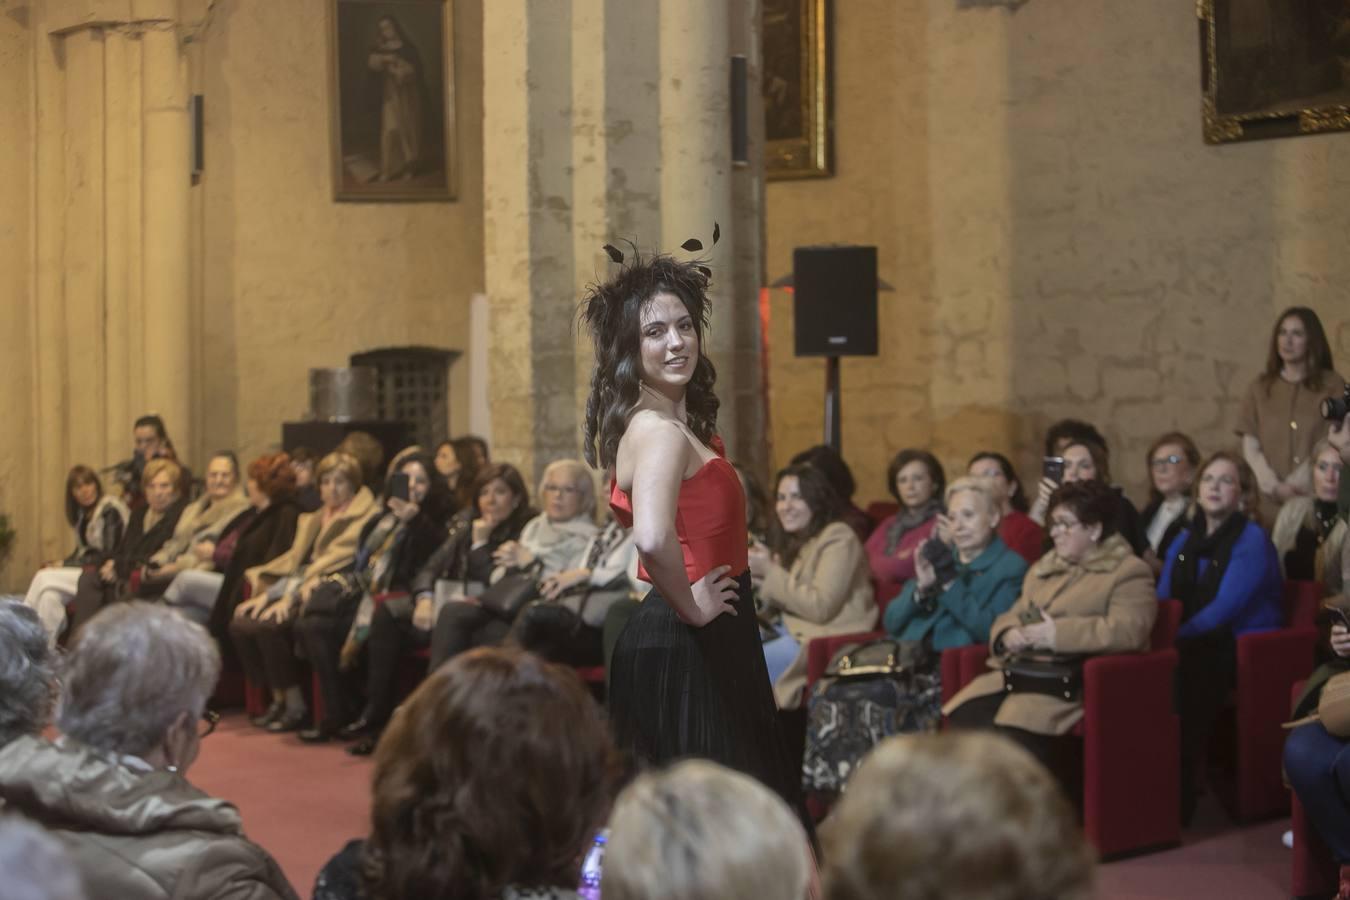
x=833, y=437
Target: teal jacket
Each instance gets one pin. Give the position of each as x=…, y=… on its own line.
x=983, y=590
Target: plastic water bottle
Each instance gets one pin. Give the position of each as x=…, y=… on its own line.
x=589, y=889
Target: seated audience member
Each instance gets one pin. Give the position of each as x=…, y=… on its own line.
x=699, y=830
x=958, y=816
x=150, y=441
x=1016, y=529
x=203, y=523
x=475, y=448
x=564, y=625
x=34, y=865
x=812, y=577
x=547, y=545
x=1280, y=419
x=369, y=453
x=1058, y=437
x=28, y=681
x=916, y=480
x=984, y=582
x=303, y=460
x=490, y=783
x=840, y=476
x=271, y=490
x=464, y=563
x=113, y=788
x=99, y=521
x=1090, y=461
x=325, y=543
x=1090, y=595
x=1225, y=572
x=1308, y=532
x=391, y=549
x=149, y=528
x=1172, y=462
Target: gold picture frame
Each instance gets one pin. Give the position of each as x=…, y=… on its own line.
x=1273, y=69
x=798, y=113
x=392, y=100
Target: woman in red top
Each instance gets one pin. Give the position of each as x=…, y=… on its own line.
x=916, y=480
x=1017, y=529
x=687, y=677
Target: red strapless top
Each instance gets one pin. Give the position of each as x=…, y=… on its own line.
x=709, y=518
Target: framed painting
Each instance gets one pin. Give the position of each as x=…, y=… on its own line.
x=393, y=99
x=1274, y=68
x=797, y=102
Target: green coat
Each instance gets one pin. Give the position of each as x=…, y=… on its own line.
x=983, y=590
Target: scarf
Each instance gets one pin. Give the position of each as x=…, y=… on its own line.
x=907, y=520
x=1195, y=589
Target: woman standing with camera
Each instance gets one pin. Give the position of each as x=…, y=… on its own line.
x=1281, y=418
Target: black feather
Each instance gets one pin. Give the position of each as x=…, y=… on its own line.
x=707, y=272
x=693, y=245
x=614, y=253
x=717, y=233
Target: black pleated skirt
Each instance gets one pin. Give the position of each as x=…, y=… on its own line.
x=676, y=691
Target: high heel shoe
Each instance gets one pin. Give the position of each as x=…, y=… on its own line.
x=291, y=721
x=358, y=728
x=271, y=715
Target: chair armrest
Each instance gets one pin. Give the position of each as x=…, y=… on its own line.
x=819, y=650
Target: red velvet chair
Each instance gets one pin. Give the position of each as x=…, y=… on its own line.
x=1268, y=664
x=1313, y=869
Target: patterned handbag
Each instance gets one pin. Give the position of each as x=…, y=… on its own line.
x=868, y=693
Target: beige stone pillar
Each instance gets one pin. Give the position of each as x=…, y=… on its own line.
x=166, y=179
x=698, y=188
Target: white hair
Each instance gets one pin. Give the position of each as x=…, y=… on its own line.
x=136, y=667
x=575, y=471
x=699, y=831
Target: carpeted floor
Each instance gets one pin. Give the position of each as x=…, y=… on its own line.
x=303, y=803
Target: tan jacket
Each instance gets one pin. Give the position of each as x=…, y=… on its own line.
x=201, y=520
x=1104, y=604
x=135, y=833
x=827, y=591
x=334, y=549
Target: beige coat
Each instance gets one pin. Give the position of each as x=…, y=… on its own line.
x=1103, y=604
x=201, y=520
x=827, y=591
x=334, y=549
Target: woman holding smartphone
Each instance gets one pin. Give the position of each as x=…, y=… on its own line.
x=687, y=677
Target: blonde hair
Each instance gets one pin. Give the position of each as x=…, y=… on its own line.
x=341, y=462
x=158, y=465
x=979, y=486
x=744, y=839
x=579, y=475
x=957, y=816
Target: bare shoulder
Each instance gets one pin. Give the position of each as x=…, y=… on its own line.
x=650, y=439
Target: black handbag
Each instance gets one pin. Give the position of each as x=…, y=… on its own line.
x=334, y=596
x=507, y=596
x=1057, y=675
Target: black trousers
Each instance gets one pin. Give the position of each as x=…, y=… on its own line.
x=1060, y=754
x=266, y=652
x=392, y=636
x=1205, y=675
x=558, y=635
x=463, y=626
x=321, y=637
x=91, y=595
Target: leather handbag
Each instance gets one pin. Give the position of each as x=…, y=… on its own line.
x=508, y=595
x=1333, y=707
x=880, y=657
x=1055, y=675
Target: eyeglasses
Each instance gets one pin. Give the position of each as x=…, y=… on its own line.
x=208, y=722
x=1063, y=525
x=564, y=489
x=1169, y=460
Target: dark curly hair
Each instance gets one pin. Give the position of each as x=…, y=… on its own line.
x=1091, y=502
x=821, y=498
x=612, y=312
x=497, y=771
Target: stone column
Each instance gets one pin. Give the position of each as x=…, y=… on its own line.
x=166, y=179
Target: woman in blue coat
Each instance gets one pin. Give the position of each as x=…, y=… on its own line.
x=1226, y=573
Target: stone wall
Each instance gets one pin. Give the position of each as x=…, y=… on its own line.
x=289, y=278
x=1060, y=239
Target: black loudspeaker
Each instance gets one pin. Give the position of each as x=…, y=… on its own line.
x=835, y=300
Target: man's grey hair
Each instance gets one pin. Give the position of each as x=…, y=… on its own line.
x=135, y=668
x=699, y=831
x=34, y=865
x=27, y=672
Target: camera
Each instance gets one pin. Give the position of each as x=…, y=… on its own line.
x=1335, y=409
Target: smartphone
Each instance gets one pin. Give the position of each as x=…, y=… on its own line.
x=399, y=485
x=1052, y=467
x=589, y=889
